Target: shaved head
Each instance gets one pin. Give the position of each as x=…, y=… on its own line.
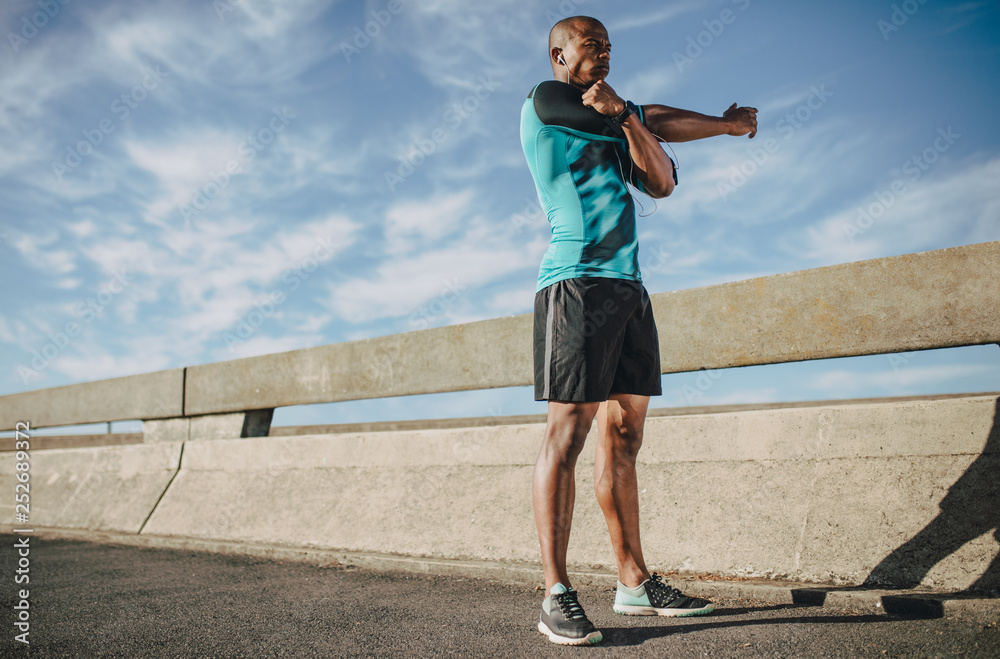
x=579, y=51
x=562, y=31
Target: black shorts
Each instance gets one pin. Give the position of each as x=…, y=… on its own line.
x=594, y=337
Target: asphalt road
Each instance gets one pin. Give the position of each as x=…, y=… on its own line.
x=90, y=600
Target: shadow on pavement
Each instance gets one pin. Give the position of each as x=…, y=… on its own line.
x=626, y=636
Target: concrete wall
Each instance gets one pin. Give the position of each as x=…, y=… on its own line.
x=906, y=489
x=111, y=488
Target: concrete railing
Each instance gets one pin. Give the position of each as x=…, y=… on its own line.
x=895, y=491
x=938, y=299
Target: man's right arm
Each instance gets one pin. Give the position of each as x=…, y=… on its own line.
x=676, y=125
x=559, y=104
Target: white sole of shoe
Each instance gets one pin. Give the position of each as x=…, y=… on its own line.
x=590, y=639
x=631, y=610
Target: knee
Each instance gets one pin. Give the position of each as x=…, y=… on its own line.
x=627, y=440
x=564, y=442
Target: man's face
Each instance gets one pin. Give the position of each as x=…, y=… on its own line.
x=588, y=54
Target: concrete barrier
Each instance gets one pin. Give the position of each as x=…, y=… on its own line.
x=825, y=494
x=920, y=301
x=482, y=355
x=148, y=396
x=936, y=299
x=112, y=488
x=893, y=492
x=251, y=423
x=74, y=441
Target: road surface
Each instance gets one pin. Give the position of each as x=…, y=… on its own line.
x=93, y=600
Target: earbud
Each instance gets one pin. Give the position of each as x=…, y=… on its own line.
x=562, y=61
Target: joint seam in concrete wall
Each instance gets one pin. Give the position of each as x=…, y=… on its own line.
x=180, y=463
x=800, y=544
x=184, y=382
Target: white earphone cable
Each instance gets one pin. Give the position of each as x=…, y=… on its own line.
x=628, y=181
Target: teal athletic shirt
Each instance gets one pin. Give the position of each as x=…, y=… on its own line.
x=577, y=157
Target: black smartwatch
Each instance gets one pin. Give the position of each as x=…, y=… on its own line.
x=630, y=109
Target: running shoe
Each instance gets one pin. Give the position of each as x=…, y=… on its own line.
x=654, y=598
x=563, y=620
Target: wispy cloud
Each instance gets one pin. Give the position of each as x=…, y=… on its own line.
x=963, y=14
x=893, y=382
x=645, y=19
x=504, y=36
x=208, y=277
x=413, y=226
x=435, y=244
x=960, y=207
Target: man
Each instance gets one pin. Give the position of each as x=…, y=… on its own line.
x=596, y=351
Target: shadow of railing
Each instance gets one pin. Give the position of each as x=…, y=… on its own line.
x=970, y=509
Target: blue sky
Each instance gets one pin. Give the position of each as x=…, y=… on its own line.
x=331, y=171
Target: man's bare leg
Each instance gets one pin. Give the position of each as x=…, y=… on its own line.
x=554, y=483
x=620, y=424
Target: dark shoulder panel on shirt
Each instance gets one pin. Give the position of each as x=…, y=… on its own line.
x=560, y=104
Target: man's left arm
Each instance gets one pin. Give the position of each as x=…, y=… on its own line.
x=676, y=125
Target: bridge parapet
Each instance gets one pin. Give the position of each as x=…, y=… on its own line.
x=893, y=492
x=938, y=299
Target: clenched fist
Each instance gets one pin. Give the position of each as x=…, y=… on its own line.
x=603, y=98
